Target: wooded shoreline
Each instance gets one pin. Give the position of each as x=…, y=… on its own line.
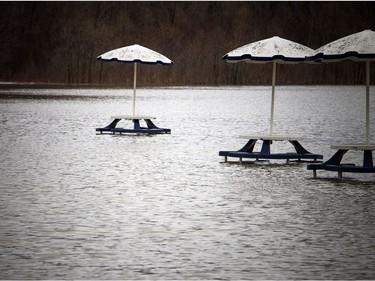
x=58, y=42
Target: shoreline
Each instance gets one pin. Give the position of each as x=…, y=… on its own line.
x=33, y=85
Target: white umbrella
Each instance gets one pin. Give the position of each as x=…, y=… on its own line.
x=357, y=47
x=135, y=54
x=275, y=50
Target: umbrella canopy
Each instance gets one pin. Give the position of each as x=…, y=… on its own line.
x=135, y=54
x=275, y=50
x=357, y=47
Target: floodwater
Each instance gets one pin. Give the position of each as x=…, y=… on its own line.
x=77, y=205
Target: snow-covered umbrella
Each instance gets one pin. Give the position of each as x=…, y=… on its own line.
x=135, y=54
x=275, y=50
x=357, y=47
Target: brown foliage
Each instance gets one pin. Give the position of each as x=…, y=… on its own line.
x=58, y=42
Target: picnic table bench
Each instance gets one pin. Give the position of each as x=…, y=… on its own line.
x=150, y=128
x=300, y=153
x=334, y=163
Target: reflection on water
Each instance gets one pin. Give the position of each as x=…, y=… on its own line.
x=76, y=205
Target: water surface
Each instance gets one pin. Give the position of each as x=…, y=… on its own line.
x=76, y=205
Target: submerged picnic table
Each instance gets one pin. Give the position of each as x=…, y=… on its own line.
x=334, y=163
x=137, y=128
x=265, y=153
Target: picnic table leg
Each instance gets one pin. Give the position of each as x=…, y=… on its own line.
x=299, y=148
x=249, y=146
x=266, y=147
x=137, y=126
x=112, y=125
x=304, y=153
x=367, y=159
x=334, y=160
x=150, y=124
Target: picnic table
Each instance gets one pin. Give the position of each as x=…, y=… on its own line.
x=299, y=154
x=147, y=128
x=334, y=163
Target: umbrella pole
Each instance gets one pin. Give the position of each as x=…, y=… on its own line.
x=367, y=102
x=135, y=86
x=273, y=95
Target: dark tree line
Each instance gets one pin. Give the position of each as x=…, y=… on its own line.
x=58, y=42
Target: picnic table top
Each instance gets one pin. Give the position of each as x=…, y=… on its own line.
x=272, y=137
x=360, y=146
x=133, y=117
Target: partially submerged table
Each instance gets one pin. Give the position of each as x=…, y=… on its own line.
x=138, y=128
x=265, y=153
x=334, y=163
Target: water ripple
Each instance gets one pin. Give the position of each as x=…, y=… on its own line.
x=76, y=205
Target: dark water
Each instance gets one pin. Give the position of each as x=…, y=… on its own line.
x=76, y=205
